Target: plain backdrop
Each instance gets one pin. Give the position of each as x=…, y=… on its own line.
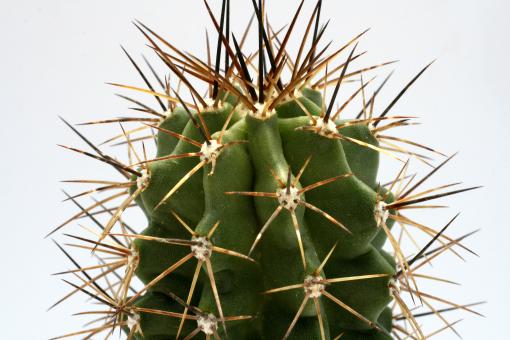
x=57, y=55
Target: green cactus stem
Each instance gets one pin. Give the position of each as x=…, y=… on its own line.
x=266, y=215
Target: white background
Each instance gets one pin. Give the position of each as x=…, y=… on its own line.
x=56, y=56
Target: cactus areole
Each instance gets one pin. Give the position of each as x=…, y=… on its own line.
x=266, y=217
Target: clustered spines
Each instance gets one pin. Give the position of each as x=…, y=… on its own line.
x=292, y=154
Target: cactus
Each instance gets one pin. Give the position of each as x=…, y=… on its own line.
x=266, y=217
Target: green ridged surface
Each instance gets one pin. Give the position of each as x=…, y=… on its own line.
x=275, y=143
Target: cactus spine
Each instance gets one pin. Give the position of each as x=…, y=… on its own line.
x=266, y=219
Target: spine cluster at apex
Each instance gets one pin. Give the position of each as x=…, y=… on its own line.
x=266, y=215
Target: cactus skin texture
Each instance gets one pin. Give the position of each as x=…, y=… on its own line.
x=273, y=145
x=266, y=219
